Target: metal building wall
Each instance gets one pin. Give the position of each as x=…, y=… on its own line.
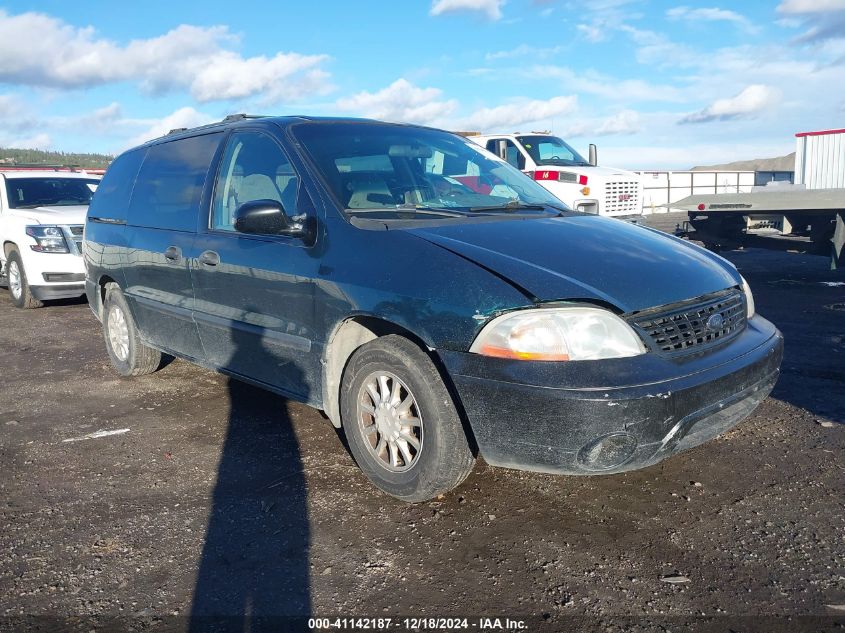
x=820, y=159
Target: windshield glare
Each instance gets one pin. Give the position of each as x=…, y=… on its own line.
x=372, y=168
x=550, y=150
x=53, y=192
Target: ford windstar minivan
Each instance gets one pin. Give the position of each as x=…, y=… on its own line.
x=436, y=303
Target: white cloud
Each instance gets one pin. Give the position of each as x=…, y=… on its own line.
x=525, y=50
x=656, y=49
x=9, y=106
x=286, y=76
x=748, y=103
x=659, y=157
x=519, y=112
x=602, y=17
x=39, y=50
x=401, y=101
x=15, y=115
x=711, y=14
x=492, y=9
x=39, y=141
x=103, y=120
x=810, y=6
x=595, y=32
x=824, y=19
x=623, y=123
x=611, y=88
x=183, y=117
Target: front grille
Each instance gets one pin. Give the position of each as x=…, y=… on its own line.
x=684, y=328
x=622, y=196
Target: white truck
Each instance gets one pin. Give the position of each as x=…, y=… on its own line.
x=580, y=183
x=42, y=215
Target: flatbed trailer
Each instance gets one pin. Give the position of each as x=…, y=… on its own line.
x=723, y=221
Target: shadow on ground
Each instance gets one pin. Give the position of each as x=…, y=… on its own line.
x=254, y=570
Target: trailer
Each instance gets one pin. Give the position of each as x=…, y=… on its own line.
x=813, y=208
x=725, y=221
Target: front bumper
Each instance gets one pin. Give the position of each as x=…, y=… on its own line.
x=57, y=291
x=597, y=417
x=53, y=275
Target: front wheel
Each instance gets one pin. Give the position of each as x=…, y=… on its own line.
x=19, y=289
x=400, y=422
x=127, y=352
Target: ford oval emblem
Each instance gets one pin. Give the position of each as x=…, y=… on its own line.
x=715, y=322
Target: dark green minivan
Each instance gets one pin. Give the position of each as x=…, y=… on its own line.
x=436, y=303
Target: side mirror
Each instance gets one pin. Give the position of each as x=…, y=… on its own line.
x=265, y=217
x=594, y=155
x=502, y=149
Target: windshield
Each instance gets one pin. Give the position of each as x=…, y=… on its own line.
x=390, y=171
x=53, y=192
x=550, y=150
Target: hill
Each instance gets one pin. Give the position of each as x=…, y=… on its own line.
x=9, y=156
x=781, y=163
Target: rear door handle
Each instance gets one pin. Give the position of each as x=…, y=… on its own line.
x=209, y=258
x=173, y=254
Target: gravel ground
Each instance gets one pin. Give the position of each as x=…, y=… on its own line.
x=218, y=498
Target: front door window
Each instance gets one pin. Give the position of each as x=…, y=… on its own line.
x=254, y=167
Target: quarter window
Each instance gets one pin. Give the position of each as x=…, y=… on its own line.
x=253, y=168
x=111, y=199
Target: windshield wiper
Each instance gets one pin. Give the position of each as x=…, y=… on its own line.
x=513, y=205
x=409, y=209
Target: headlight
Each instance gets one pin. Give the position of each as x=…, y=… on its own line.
x=557, y=334
x=48, y=239
x=749, y=298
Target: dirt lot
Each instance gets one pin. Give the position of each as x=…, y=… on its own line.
x=223, y=499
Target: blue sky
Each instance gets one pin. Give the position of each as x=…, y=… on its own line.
x=655, y=84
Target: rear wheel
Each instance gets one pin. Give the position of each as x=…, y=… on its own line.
x=400, y=422
x=127, y=352
x=18, y=284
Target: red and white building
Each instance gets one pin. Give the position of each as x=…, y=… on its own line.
x=820, y=159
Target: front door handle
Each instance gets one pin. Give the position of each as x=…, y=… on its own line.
x=173, y=254
x=209, y=258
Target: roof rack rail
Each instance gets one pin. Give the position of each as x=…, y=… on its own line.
x=176, y=130
x=240, y=117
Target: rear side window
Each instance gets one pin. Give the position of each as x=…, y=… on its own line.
x=111, y=199
x=169, y=187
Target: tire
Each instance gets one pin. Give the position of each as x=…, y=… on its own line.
x=441, y=459
x=19, y=289
x=128, y=354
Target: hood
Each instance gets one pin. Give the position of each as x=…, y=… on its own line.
x=53, y=215
x=588, y=257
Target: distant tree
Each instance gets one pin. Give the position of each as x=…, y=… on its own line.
x=9, y=156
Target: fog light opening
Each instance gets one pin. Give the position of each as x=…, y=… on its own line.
x=609, y=451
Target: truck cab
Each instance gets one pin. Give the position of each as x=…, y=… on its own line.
x=579, y=183
x=42, y=215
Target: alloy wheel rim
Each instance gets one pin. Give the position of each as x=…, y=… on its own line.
x=118, y=331
x=390, y=421
x=15, y=283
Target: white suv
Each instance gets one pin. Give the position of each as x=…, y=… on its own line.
x=579, y=183
x=42, y=214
